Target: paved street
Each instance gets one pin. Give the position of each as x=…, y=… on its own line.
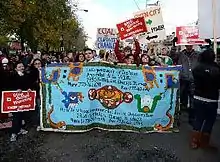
x=107, y=146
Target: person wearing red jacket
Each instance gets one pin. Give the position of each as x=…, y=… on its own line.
x=122, y=55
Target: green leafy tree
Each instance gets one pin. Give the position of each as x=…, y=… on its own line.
x=39, y=23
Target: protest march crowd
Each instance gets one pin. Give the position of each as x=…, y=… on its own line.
x=21, y=73
x=199, y=76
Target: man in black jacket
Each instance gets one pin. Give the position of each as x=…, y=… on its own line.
x=207, y=84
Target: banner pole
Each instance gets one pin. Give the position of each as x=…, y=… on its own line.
x=214, y=26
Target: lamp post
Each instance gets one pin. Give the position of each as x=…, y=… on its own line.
x=84, y=10
x=214, y=19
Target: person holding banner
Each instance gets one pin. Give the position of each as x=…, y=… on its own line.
x=206, y=79
x=80, y=57
x=129, y=59
x=103, y=55
x=145, y=59
x=154, y=59
x=35, y=85
x=20, y=82
x=121, y=55
x=89, y=56
x=164, y=58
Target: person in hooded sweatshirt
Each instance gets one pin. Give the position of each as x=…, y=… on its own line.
x=19, y=81
x=207, y=84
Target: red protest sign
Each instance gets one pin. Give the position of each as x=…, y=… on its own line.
x=188, y=35
x=131, y=27
x=13, y=101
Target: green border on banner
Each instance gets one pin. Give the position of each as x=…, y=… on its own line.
x=71, y=128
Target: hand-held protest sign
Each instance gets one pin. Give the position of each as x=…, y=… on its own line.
x=155, y=25
x=106, y=38
x=205, y=18
x=13, y=101
x=188, y=35
x=79, y=97
x=131, y=27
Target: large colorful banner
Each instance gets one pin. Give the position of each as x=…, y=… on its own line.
x=131, y=27
x=155, y=25
x=106, y=38
x=79, y=97
x=13, y=101
x=188, y=35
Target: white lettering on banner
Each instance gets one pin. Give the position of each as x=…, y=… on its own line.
x=128, y=23
x=158, y=28
x=20, y=96
x=12, y=107
x=23, y=100
x=189, y=32
x=24, y=106
x=134, y=26
x=133, y=32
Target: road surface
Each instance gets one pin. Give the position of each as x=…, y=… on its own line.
x=104, y=146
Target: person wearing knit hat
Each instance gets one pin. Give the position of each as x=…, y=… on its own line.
x=1, y=56
x=4, y=63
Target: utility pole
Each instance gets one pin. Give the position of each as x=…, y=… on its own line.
x=214, y=25
x=146, y=3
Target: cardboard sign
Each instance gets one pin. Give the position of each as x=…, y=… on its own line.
x=131, y=27
x=205, y=18
x=188, y=35
x=106, y=38
x=13, y=101
x=155, y=25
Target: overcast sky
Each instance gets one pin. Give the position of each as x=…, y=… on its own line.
x=107, y=13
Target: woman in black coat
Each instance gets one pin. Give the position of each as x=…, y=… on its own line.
x=207, y=84
x=34, y=74
x=19, y=82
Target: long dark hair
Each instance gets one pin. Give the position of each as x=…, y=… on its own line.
x=77, y=57
x=142, y=58
x=37, y=59
x=207, y=56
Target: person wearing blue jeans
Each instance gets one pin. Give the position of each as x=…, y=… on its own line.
x=207, y=84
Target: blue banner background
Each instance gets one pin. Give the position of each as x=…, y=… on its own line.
x=93, y=83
